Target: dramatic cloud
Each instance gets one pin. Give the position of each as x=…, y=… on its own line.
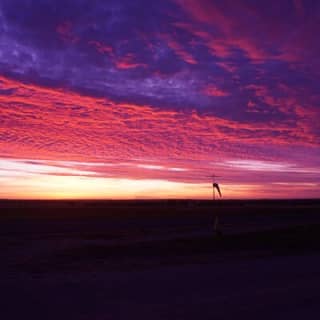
x=160, y=91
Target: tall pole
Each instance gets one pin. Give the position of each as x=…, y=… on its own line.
x=216, y=227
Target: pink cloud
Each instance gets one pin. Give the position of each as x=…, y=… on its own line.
x=128, y=62
x=215, y=92
x=227, y=66
x=179, y=50
x=205, y=11
x=224, y=31
x=99, y=128
x=65, y=32
x=232, y=34
x=101, y=47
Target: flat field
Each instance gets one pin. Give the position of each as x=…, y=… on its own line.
x=159, y=259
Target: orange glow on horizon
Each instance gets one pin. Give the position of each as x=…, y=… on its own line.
x=43, y=186
x=31, y=179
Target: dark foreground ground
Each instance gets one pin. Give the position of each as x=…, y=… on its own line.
x=159, y=260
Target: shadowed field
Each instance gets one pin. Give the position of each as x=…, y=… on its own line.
x=160, y=259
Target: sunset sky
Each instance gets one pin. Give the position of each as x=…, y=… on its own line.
x=146, y=99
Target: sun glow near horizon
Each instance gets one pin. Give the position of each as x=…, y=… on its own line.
x=30, y=179
x=77, y=187
x=80, y=187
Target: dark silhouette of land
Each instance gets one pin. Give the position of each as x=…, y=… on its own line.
x=159, y=259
